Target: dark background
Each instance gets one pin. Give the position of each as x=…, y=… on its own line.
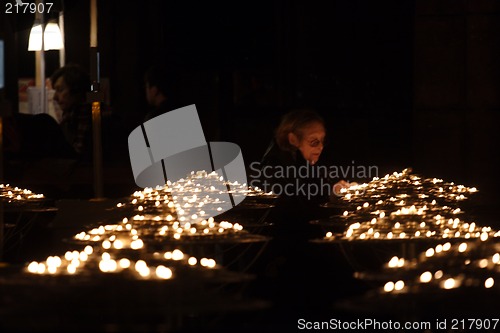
x=400, y=83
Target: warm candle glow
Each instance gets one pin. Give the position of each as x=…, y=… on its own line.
x=489, y=283
x=404, y=212
x=389, y=286
x=449, y=283
x=426, y=277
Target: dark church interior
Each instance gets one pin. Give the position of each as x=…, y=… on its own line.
x=396, y=102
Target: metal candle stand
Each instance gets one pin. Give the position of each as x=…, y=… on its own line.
x=412, y=213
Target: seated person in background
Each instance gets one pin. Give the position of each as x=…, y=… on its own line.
x=161, y=91
x=41, y=136
x=71, y=85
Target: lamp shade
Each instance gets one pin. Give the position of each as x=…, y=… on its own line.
x=35, y=41
x=52, y=37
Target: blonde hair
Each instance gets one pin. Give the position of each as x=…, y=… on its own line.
x=294, y=122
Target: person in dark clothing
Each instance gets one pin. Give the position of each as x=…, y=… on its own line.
x=161, y=91
x=71, y=84
x=292, y=168
x=41, y=136
x=292, y=164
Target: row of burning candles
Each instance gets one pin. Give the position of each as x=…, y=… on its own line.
x=447, y=266
x=74, y=262
x=190, y=200
x=402, y=215
x=406, y=184
x=162, y=214
x=16, y=194
x=403, y=209
x=406, y=206
x=383, y=229
x=127, y=234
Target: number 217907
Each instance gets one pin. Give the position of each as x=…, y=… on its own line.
x=19, y=7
